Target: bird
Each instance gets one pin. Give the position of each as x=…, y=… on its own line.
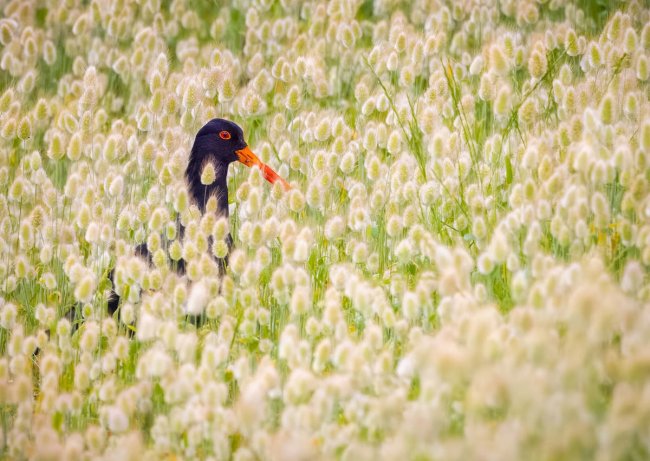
x=220, y=142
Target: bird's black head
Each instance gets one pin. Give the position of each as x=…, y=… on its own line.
x=218, y=141
x=222, y=142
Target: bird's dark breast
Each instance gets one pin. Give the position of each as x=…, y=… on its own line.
x=201, y=193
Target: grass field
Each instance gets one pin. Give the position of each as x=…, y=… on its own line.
x=460, y=271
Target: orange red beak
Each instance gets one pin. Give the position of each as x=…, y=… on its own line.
x=248, y=158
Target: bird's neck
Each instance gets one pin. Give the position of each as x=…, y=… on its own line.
x=201, y=193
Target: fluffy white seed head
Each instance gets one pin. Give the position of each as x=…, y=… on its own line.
x=208, y=175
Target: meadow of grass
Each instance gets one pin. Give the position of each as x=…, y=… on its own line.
x=459, y=272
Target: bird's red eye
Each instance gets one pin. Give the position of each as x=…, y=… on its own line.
x=224, y=135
